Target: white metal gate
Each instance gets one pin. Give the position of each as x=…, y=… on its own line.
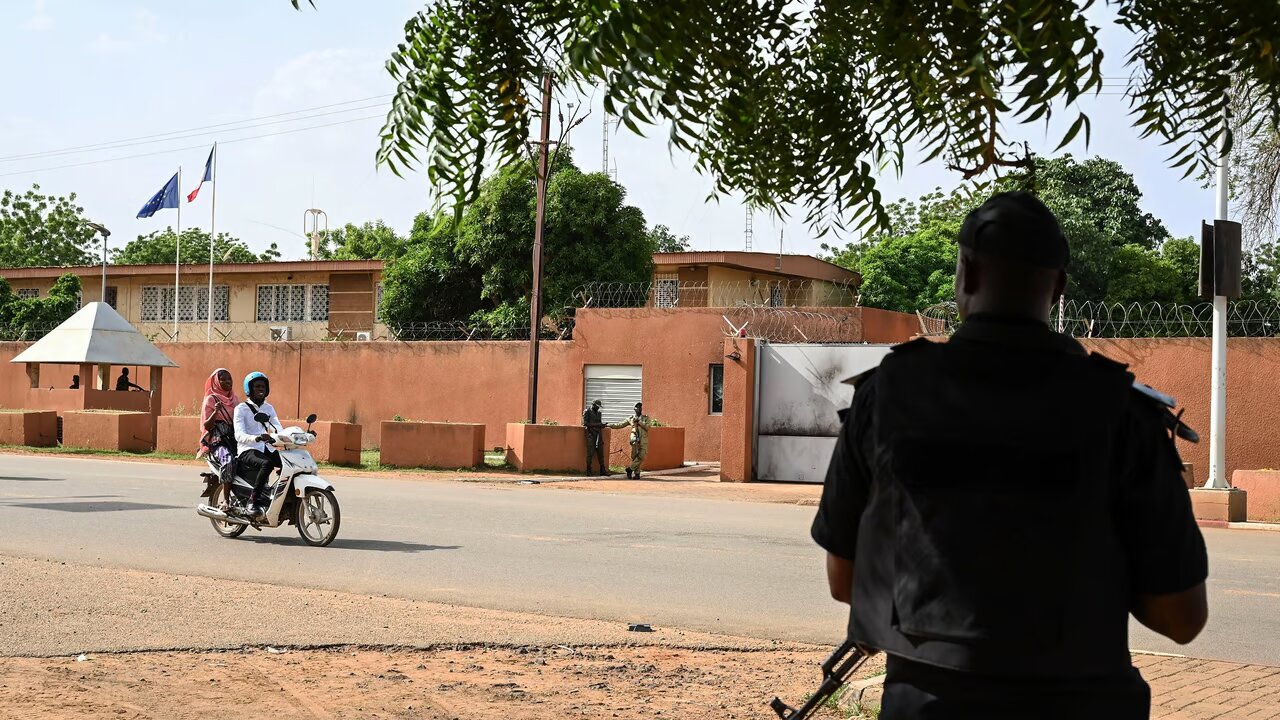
x=799, y=389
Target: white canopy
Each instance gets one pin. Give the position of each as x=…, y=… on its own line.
x=97, y=335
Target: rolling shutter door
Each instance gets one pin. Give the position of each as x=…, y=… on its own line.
x=617, y=387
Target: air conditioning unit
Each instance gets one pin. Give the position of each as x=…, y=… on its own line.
x=364, y=335
x=281, y=333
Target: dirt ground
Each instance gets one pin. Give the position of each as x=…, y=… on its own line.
x=478, y=683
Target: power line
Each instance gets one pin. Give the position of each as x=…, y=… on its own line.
x=157, y=136
x=36, y=156
x=192, y=147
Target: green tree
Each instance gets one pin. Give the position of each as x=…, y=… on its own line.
x=370, y=241
x=429, y=282
x=859, y=83
x=665, y=241
x=1139, y=275
x=1113, y=240
x=31, y=318
x=1098, y=204
x=590, y=235
x=159, y=248
x=43, y=230
x=911, y=272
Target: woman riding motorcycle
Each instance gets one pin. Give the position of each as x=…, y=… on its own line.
x=253, y=438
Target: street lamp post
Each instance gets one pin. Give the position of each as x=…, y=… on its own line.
x=105, y=233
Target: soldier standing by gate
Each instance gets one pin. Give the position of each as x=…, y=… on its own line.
x=593, y=423
x=639, y=424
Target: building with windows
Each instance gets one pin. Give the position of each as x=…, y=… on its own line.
x=729, y=279
x=318, y=300
x=308, y=300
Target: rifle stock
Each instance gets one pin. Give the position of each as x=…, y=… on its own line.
x=835, y=671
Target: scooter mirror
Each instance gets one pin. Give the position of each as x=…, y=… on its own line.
x=311, y=418
x=262, y=417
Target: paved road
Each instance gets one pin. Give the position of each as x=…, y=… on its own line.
x=717, y=566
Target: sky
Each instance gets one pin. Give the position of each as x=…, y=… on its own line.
x=163, y=80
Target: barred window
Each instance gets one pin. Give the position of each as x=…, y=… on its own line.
x=292, y=303
x=28, y=293
x=151, y=304
x=319, y=302
x=666, y=293
x=193, y=303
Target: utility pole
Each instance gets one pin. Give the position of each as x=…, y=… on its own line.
x=535, y=302
x=105, y=233
x=1218, y=358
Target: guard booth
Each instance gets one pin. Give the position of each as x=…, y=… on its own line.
x=95, y=339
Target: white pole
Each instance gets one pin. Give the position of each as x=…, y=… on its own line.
x=177, y=258
x=1218, y=388
x=213, y=224
x=104, y=266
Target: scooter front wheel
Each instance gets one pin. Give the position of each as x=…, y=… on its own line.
x=221, y=499
x=317, y=517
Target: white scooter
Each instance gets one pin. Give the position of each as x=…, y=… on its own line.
x=298, y=496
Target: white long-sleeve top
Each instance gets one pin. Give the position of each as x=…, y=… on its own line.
x=248, y=429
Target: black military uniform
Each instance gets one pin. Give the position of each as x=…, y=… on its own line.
x=593, y=422
x=1003, y=497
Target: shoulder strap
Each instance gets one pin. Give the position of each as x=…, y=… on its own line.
x=911, y=345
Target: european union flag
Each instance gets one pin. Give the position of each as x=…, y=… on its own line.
x=166, y=198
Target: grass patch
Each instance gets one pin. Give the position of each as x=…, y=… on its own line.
x=92, y=452
x=370, y=461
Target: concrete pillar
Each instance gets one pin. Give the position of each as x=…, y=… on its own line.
x=104, y=377
x=157, y=392
x=86, y=384
x=737, y=424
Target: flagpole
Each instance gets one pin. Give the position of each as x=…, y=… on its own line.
x=213, y=229
x=177, y=259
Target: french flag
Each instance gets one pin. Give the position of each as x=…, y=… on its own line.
x=208, y=174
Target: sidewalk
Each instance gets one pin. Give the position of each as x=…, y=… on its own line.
x=1192, y=689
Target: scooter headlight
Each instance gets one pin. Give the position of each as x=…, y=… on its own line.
x=300, y=438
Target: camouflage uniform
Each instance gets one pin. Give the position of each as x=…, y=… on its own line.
x=593, y=424
x=639, y=424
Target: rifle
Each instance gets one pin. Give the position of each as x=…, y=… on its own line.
x=835, y=671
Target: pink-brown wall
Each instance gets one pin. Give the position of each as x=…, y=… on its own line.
x=475, y=382
x=484, y=382
x=1180, y=367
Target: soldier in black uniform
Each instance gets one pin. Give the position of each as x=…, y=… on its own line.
x=593, y=424
x=999, y=504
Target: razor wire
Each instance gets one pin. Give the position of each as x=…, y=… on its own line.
x=675, y=293
x=1245, y=318
x=785, y=325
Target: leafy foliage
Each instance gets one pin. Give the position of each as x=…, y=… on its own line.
x=805, y=104
x=911, y=272
x=429, y=282
x=31, y=318
x=480, y=266
x=665, y=241
x=370, y=241
x=1119, y=252
x=43, y=230
x=160, y=247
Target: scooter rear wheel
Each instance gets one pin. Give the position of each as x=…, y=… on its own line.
x=317, y=517
x=221, y=499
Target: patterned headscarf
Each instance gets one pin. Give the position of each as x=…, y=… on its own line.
x=216, y=400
